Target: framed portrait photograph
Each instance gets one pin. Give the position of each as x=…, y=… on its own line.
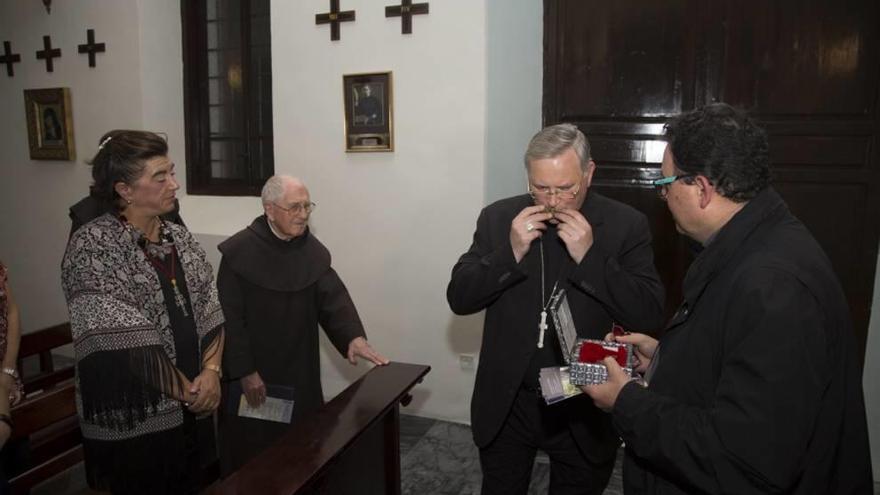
x=49, y=124
x=368, y=112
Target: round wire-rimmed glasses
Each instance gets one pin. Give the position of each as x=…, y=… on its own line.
x=295, y=208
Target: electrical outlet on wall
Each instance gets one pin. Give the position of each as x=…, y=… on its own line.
x=467, y=361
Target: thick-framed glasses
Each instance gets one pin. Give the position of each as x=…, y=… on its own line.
x=563, y=193
x=296, y=208
x=662, y=185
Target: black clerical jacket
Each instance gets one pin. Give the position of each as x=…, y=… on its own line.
x=615, y=282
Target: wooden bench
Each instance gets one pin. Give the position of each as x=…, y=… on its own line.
x=41, y=343
x=46, y=419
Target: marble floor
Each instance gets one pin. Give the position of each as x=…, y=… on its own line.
x=440, y=458
x=436, y=458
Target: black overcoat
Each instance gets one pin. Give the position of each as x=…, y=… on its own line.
x=757, y=387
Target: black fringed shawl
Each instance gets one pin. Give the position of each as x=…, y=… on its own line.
x=122, y=334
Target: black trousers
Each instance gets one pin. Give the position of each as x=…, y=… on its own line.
x=531, y=425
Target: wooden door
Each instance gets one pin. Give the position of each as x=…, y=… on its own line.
x=806, y=69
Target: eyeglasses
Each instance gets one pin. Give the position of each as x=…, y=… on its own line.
x=663, y=184
x=563, y=193
x=306, y=206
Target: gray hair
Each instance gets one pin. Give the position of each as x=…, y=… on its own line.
x=554, y=140
x=273, y=189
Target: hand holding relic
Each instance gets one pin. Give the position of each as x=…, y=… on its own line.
x=604, y=395
x=643, y=345
x=576, y=232
x=527, y=226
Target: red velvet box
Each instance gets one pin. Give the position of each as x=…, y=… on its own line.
x=584, y=356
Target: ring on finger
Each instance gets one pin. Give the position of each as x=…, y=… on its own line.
x=529, y=227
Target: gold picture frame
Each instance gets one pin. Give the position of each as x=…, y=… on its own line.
x=369, y=111
x=49, y=124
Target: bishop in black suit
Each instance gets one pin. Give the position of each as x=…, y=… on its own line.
x=525, y=249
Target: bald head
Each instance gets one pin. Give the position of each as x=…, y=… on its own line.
x=279, y=185
x=287, y=205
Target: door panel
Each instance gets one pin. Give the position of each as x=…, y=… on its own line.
x=806, y=69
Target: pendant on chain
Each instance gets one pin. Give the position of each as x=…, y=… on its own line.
x=179, y=300
x=542, y=327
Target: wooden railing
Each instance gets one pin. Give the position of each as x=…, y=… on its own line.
x=350, y=445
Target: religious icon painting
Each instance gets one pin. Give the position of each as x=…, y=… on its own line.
x=49, y=124
x=368, y=112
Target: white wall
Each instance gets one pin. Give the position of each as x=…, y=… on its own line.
x=395, y=222
x=161, y=74
x=515, y=76
x=35, y=195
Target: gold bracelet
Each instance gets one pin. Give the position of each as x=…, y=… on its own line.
x=213, y=367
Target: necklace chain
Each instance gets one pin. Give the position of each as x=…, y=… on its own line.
x=542, y=326
x=156, y=254
x=545, y=305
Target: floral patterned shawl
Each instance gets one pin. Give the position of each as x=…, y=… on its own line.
x=122, y=334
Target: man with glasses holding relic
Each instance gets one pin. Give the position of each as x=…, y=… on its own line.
x=559, y=236
x=755, y=386
x=276, y=285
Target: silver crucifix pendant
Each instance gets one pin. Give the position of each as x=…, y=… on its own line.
x=542, y=327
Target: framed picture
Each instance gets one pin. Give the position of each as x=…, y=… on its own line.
x=49, y=124
x=368, y=112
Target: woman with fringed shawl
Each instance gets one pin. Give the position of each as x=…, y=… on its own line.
x=147, y=328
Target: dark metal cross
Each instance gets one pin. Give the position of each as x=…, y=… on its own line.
x=334, y=17
x=9, y=58
x=48, y=53
x=91, y=47
x=405, y=11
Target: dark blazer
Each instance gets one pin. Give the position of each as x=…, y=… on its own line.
x=615, y=282
x=756, y=386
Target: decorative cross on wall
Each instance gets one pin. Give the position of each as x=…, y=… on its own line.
x=405, y=11
x=91, y=47
x=9, y=58
x=334, y=17
x=48, y=53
